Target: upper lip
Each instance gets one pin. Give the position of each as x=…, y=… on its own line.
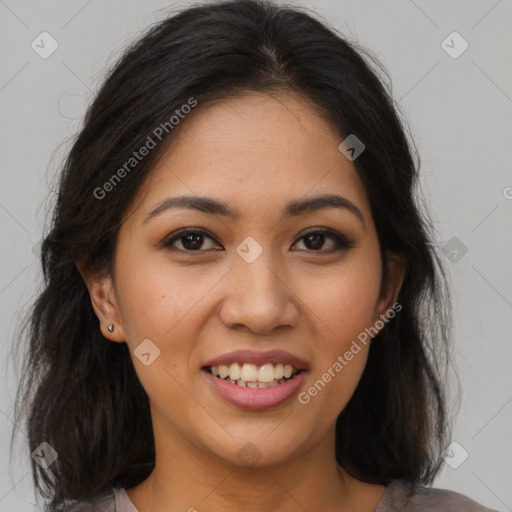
x=258, y=358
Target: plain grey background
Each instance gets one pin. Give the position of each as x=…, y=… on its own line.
x=460, y=111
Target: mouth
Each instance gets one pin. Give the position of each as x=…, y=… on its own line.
x=247, y=375
x=254, y=380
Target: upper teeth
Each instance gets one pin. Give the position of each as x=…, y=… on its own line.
x=250, y=372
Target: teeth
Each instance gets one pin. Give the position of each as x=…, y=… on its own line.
x=223, y=371
x=250, y=376
x=266, y=373
x=234, y=371
x=249, y=372
x=279, y=371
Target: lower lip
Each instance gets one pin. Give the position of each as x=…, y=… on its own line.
x=255, y=398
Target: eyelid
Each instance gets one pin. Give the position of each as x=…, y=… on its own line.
x=185, y=231
x=342, y=242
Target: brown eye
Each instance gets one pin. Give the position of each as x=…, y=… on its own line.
x=190, y=240
x=194, y=241
x=315, y=241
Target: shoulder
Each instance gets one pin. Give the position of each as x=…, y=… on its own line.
x=403, y=496
x=103, y=502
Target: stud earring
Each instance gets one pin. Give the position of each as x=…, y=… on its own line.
x=111, y=327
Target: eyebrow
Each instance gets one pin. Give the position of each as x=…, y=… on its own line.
x=291, y=209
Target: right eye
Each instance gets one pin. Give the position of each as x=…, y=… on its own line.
x=190, y=239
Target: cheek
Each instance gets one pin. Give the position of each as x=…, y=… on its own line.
x=344, y=301
x=155, y=299
x=346, y=307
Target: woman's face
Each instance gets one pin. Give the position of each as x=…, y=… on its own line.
x=267, y=281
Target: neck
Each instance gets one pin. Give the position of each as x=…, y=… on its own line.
x=188, y=478
x=278, y=488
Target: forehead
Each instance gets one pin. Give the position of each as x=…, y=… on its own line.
x=253, y=151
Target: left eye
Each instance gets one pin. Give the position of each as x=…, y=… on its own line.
x=317, y=238
x=192, y=241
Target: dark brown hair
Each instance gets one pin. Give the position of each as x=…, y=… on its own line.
x=79, y=392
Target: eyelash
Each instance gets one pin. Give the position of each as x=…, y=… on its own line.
x=341, y=242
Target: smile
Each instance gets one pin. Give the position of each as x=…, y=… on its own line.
x=247, y=375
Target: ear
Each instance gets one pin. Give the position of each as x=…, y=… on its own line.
x=104, y=303
x=396, y=267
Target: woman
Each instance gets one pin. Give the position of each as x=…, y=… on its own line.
x=242, y=308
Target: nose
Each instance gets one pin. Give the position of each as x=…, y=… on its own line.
x=258, y=296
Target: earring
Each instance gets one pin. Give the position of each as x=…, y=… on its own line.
x=111, y=327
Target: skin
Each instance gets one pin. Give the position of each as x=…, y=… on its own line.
x=310, y=300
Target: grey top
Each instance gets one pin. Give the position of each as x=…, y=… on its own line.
x=395, y=499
